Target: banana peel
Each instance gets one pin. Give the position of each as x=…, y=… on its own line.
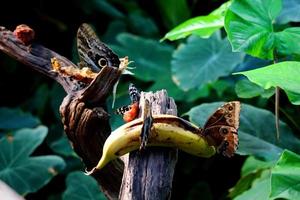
x=166, y=131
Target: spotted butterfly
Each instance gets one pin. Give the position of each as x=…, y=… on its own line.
x=221, y=128
x=130, y=112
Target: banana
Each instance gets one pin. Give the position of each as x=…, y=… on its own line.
x=166, y=131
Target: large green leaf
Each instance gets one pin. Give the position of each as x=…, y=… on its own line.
x=24, y=173
x=152, y=63
x=82, y=187
x=203, y=26
x=15, y=119
x=285, y=180
x=253, y=171
x=260, y=188
x=284, y=75
x=290, y=12
x=202, y=61
x=246, y=89
x=249, y=26
x=151, y=58
x=287, y=41
x=256, y=132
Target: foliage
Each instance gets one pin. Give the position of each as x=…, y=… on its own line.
x=23, y=173
x=78, y=191
x=280, y=74
x=204, y=43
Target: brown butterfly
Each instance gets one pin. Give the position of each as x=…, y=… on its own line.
x=221, y=128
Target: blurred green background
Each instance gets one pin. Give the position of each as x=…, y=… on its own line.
x=193, y=70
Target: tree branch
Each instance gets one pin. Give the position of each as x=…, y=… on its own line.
x=83, y=112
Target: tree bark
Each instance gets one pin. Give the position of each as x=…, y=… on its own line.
x=83, y=112
x=148, y=174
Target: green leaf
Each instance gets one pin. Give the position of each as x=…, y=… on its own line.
x=24, y=173
x=62, y=146
x=221, y=86
x=249, y=26
x=150, y=57
x=173, y=12
x=153, y=64
x=290, y=12
x=260, y=188
x=252, y=165
x=203, y=26
x=287, y=41
x=284, y=75
x=142, y=24
x=202, y=61
x=82, y=187
x=246, y=89
x=102, y=6
x=254, y=172
x=15, y=119
x=255, y=137
x=285, y=179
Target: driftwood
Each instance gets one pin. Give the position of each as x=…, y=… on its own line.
x=83, y=111
x=148, y=174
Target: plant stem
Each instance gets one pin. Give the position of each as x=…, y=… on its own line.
x=277, y=90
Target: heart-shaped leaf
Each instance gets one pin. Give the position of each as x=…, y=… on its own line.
x=255, y=137
x=202, y=61
x=24, y=173
x=203, y=26
x=284, y=75
x=82, y=187
x=285, y=177
x=16, y=119
x=249, y=26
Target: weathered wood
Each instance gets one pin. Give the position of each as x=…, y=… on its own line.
x=149, y=174
x=83, y=112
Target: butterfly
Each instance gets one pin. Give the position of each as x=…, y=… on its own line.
x=221, y=128
x=130, y=112
x=92, y=52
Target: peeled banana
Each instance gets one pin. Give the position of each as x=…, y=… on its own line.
x=166, y=131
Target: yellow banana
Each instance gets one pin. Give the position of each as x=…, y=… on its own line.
x=166, y=131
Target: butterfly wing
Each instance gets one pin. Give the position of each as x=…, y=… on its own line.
x=92, y=52
x=222, y=126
